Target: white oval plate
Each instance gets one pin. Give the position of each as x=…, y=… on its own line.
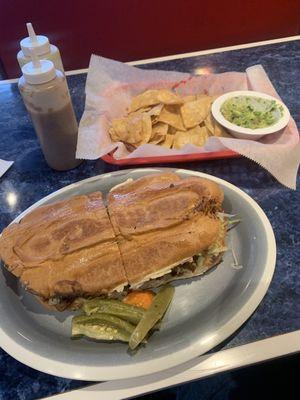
x=204, y=312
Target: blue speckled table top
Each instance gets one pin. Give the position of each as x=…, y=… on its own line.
x=30, y=179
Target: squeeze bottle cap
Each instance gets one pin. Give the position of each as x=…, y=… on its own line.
x=40, y=44
x=38, y=71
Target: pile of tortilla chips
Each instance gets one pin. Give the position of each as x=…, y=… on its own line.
x=164, y=118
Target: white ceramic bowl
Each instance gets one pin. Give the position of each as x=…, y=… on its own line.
x=247, y=133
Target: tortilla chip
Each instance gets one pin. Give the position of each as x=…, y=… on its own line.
x=156, y=110
x=120, y=131
x=186, y=99
x=196, y=136
x=141, y=110
x=153, y=97
x=154, y=113
x=194, y=112
x=168, y=142
x=214, y=97
x=157, y=139
x=214, y=128
x=129, y=147
x=146, y=131
x=160, y=128
x=147, y=128
x=170, y=115
x=134, y=129
x=114, y=135
x=172, y=130
x=210, y=124
x=180, y=139
x=201, y=96
x=163, y=117
x=118, y=128
x=200, y=137
x=220, y=130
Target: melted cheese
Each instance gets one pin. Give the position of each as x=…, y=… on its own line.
x=119, y=289
x=158, y=274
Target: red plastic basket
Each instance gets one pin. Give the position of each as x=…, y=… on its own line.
x=171, y=159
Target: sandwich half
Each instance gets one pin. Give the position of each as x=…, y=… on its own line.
x=65, y=250
x=153, y=230
x=168, y=228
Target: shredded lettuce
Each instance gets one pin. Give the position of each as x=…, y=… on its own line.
x=232, y=223
x=200, y=260
x=231, y=219
x=218, y=246
x=223, y=215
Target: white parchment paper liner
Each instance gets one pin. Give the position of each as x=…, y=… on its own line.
x=111, y=84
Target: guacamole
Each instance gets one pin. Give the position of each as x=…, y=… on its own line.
x=251, y=112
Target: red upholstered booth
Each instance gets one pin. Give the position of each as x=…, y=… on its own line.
x=129, y=30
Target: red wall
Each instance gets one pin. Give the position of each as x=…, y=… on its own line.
x=135, y=29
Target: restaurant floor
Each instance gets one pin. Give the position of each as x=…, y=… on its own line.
x=262, y=381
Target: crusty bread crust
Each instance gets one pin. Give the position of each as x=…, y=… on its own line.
x=151, y=252
x=67, y=248
x=151, y=284
x=161, y=220
x=79, y=248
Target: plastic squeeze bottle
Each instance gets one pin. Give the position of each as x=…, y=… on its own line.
x=47, y=99
x=41, y=46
